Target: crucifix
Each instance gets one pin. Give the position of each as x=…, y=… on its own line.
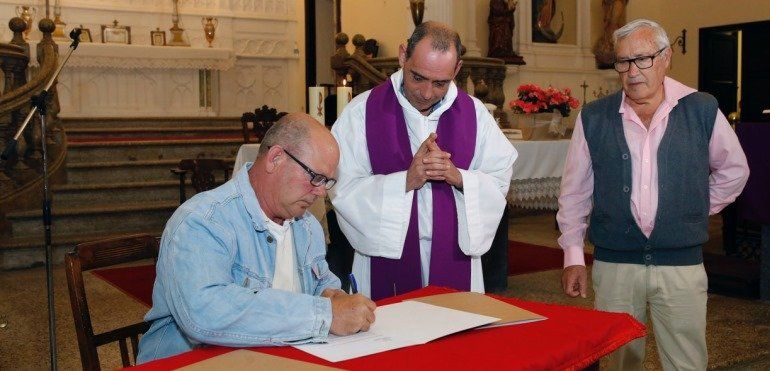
x=584, y=86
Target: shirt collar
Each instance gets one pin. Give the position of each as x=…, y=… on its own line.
x=673, y=91
x=397, y=79
x=250, y=201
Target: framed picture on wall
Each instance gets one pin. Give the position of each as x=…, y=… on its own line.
x=158, y=37
x=85, y=35
x=114, y=34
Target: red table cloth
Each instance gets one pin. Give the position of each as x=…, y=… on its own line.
x=571, y=338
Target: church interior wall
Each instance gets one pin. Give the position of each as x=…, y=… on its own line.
x=266, y=39
x=693, y=15
x=388, y=21
x=324, y=41
x=257, y=58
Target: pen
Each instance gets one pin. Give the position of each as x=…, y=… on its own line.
x=353, y=284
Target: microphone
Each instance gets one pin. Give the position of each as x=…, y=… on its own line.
x=75, y=36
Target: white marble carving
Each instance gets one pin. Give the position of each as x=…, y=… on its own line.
x=252, y=63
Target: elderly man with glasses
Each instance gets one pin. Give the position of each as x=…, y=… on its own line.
x=244, y=264
x=645, y=169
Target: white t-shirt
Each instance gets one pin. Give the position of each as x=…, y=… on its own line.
x=285, y=276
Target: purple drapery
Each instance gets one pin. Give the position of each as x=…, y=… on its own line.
x=754, y=202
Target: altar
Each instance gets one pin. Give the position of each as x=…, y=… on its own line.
x=254, y=59
x=537, y=173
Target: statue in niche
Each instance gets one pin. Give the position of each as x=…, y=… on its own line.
x=614, y=18
x=542, y=16
x=501, y=25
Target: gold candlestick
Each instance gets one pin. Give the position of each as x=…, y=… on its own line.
x=177, y=33
x=58, y=33
x=26, y=13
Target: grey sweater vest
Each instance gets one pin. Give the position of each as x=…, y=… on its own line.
x=681, y=223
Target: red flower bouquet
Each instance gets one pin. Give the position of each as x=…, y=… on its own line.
x=534, y=99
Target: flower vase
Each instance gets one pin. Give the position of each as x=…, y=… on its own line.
x=534, y=126
x=209, y=28
x=556, y=127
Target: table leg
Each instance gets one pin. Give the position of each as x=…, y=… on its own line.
x=494, y=264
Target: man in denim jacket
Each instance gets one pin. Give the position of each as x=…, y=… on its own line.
x=244, y=264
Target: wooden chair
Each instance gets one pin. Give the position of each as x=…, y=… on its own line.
x=256, y=123
x=98, y=254
x=201, y=174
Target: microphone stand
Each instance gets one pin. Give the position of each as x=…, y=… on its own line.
x=38, y=105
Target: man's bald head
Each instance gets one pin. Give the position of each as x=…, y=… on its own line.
x=292, y=148
x=295, y=132
x=442, y=38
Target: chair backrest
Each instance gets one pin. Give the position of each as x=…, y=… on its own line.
x=202, y=174
x=256, y=123
x=98, y=254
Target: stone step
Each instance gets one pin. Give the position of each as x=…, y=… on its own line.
x=127, y=122
x=112, y=218
x=118, y=181
x=29, y=251
x=79, y=134
x=152, y=149
x=74, y=195
x=121, y=171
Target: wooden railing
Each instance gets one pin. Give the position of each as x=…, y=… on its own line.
x=21, y=177
x=487, y=74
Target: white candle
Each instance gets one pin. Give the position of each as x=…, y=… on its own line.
x=344, y=95
x=315, y=106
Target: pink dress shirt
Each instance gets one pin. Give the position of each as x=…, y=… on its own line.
x=729, y=171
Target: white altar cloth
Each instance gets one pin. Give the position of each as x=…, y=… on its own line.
x=130, y=56
x=537, y=173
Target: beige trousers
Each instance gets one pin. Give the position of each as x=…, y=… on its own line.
x=676, y=296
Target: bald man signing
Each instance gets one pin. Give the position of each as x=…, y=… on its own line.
x=244, y=264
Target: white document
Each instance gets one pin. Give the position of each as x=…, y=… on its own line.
x=398, y=325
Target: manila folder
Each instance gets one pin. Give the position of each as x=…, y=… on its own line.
x=474, y=302
x=244, y=359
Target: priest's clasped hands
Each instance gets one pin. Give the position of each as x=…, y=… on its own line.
x=432, y=163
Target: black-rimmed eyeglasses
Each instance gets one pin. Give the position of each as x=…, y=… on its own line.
x=644, y=62
x=317, y=180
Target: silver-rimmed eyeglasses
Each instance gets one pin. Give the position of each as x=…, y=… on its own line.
x=644, y=62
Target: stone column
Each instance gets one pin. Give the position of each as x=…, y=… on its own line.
x=469, y=40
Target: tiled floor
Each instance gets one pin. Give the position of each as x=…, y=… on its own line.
x=738, y=333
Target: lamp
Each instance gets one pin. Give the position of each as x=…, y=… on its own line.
x=417, y=8
x=681, y=40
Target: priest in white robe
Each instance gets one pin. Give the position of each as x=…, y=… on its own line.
x=417, y=133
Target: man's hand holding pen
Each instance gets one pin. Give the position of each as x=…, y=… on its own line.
x=350, y=313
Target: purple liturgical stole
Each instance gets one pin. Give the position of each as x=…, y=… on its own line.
x=389, y=152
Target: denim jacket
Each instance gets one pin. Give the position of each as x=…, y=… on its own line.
x=215, y=272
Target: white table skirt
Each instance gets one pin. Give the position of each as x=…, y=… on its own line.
x=248, y=152
x=537, y=173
